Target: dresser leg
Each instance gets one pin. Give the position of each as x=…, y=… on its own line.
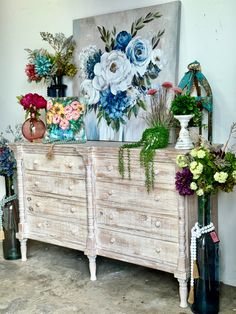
x=23, y=249
x=183, y=293
x=92, y=267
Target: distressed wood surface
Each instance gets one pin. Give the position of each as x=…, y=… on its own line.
x=78, y=200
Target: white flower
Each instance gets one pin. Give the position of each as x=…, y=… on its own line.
x=199, y=168
x=234, y=174
x=201, y=154
x=193, y=152
x=114, y=71
x=196, y=176
x=139, y=53
x=200, y=192
x=83, y=58
x=221, y=176
x=157, y=58
x=193, y=186
x=89, y=92
x=193, y=165
x=181, y=161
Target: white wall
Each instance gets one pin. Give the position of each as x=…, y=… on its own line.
x=207, y=35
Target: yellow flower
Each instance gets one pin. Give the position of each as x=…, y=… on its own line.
x=58, y=109
x=193, y=152
x=49, y=117
x=193, y=186
x=81, y=107
x=181, y=161
x=201, y=154
x=200, y=192
x=221, y=176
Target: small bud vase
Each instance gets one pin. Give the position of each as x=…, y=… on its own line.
x=33, y=129
x=184, y=141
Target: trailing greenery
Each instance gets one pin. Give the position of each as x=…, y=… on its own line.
x=152, y=138
x=185, y=105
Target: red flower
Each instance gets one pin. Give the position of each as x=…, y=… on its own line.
x=177, y=90
x=33, y=102
x=167, y=85
x=30, y=72
x=152, y=91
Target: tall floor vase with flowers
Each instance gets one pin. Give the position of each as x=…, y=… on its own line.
x=206, y=169
x=33, y=128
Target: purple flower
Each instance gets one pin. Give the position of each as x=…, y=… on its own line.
x=183, y=181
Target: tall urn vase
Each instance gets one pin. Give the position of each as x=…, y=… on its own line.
x=184, y=141
x=10, y=220
x=57, y=88
x=206, y=287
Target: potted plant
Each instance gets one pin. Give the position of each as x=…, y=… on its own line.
x=184, y=109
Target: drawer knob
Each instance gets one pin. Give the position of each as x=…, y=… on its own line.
x=35, y=162
x=31, y=209
x=28, y=198
x=158, y=224
x=157, y=198
x=111, y=217
x=70, y=188
x=72, y=210
x=158, y=251
x=156, y=171
x=37, y=204
x=113, y=240
x=110, y=168
x=109, y=192
x=36, y=183
x=39, y=224
x=69, y=165
x=73, y=232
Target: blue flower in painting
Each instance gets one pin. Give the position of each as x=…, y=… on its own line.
x=122, y=40
x=114, y=105
x=138, y=52
x=43, y=65
x=92, y=60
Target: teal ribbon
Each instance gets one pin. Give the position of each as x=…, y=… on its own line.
x=3, y=202
x=187, y=82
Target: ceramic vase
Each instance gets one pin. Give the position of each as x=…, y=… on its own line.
x=184, y=141
x=57, y=88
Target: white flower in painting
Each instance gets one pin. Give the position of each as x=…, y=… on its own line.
x=139, y=53
x=83, y=59
x=134, y=94
x=89, y=92
x=114, y=71
x=158, y=58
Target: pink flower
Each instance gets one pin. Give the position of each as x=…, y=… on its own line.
x=75, y=104
x=75, y=115
x=56, y=119
x=68, y=116
x=64, y=124
x=177, y=90
x=30, y=72
x=152, y=91
x=49, y=105
x=167, y=85
x=68, y=109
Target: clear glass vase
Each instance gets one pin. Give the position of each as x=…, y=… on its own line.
x=206, y=288
x=33, y=129
x=11, y=245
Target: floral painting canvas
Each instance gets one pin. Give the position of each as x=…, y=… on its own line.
x=120, y=56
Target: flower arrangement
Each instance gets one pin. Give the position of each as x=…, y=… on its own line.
x=207, y=169
x=64, y=118
x=186, y=105
x=32, y=103
x=161, y=98
x=7, y=160
x=44, y=65
x=115, y=81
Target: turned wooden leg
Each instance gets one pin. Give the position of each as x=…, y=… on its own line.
x=92, y=267
x=23, y=249
x=183, y=293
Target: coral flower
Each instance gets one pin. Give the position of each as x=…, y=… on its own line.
x=152, y=91
x=68, y=110
x=64, y=124
x=56, y=119
x=177, y=90
x=75, y=104
x=75, y=115
x=167, y=85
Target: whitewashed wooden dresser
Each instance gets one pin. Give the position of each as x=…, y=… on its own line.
x=78, y=200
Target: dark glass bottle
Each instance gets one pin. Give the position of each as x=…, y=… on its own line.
x=57, y=89
x=11, y=245
x=206, y=288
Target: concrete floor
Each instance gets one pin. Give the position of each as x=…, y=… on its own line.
x=56, y=280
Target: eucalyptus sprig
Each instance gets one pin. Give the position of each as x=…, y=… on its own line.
x=140, y=22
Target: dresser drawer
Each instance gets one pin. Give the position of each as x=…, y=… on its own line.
x=55, y=185
x=162, y=226
x=137, y=246
x=164, y=171
x=131, y=197
x=52, y=229
x=57, y=207
x=59, y=163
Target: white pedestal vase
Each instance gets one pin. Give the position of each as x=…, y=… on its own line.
x=184, y=141
x=106, y=133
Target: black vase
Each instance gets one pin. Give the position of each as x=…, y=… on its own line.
x=57, y=88
x=11, y=245
x=206, y=287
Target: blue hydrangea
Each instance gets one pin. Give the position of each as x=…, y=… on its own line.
x=7, y=161
x=122, y=40
x=43, y=65
x=114, y=106
x=92, y=60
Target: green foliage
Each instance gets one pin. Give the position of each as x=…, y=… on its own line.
x=186, y=105
x=152, y=139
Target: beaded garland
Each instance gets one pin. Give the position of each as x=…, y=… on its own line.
x=196, y=233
